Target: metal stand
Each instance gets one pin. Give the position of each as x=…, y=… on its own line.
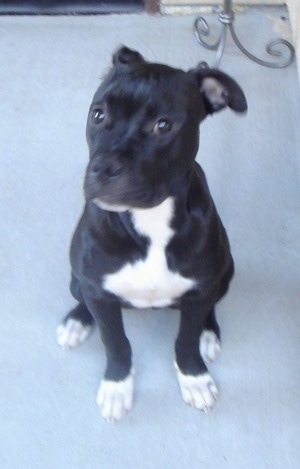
x=226, y=18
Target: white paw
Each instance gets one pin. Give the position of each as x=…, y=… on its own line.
x=114, y=398
x=210, y=346
x=72, y=334
x=199, y=391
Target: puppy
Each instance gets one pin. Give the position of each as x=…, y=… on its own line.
x=150, y=235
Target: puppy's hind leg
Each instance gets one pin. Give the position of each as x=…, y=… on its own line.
x=210, y=339
x=198, y=388
x=78, y=324
x=210, y=343
x=75, y=328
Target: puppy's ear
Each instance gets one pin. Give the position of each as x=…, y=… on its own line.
x=127, y=56
x=219, y=91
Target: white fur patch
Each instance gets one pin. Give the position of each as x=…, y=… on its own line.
x=115, y=398
x=149, y=282
x=72, y=334
x=210, y=346
x=110, y=207
x=199, y=391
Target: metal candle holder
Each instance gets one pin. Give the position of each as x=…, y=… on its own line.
x=226, y=18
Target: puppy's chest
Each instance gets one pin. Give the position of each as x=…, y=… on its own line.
x=149, y=282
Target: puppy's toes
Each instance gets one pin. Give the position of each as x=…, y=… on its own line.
x=210, y=346
x=199, y=391
x=72, y=333
x=115, y=398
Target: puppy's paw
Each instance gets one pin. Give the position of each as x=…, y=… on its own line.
x=199, y=391
x=114, y=398
x=72, y=333
x=210, y=346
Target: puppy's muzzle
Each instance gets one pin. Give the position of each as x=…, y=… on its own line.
x=105, y=171
x=106, y=182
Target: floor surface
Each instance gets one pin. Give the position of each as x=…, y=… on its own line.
x=50, y=68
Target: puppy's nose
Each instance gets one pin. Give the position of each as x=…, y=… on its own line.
x=113, y=171
x=107, y=170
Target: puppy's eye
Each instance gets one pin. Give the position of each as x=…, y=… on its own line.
x=162, y=126
x=98, y=116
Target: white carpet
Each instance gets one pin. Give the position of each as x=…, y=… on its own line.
x=50, y=68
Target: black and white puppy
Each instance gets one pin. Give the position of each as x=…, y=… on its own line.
x=150, y=235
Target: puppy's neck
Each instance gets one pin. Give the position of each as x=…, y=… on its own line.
x=155, y=222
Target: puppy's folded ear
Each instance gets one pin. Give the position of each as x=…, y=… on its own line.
x=218, y=91
x=127, y=56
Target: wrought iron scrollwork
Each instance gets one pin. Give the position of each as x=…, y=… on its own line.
x=226, y=18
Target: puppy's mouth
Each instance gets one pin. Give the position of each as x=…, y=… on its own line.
x=123, y=193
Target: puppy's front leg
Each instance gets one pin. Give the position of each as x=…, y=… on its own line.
x=197, y=386
x=115, y=392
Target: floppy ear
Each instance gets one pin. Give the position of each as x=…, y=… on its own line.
x=219, y=91
x=127, y=56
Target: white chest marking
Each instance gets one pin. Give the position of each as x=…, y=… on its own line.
x=149, y=282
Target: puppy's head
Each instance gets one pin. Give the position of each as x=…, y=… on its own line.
x=143, y=128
